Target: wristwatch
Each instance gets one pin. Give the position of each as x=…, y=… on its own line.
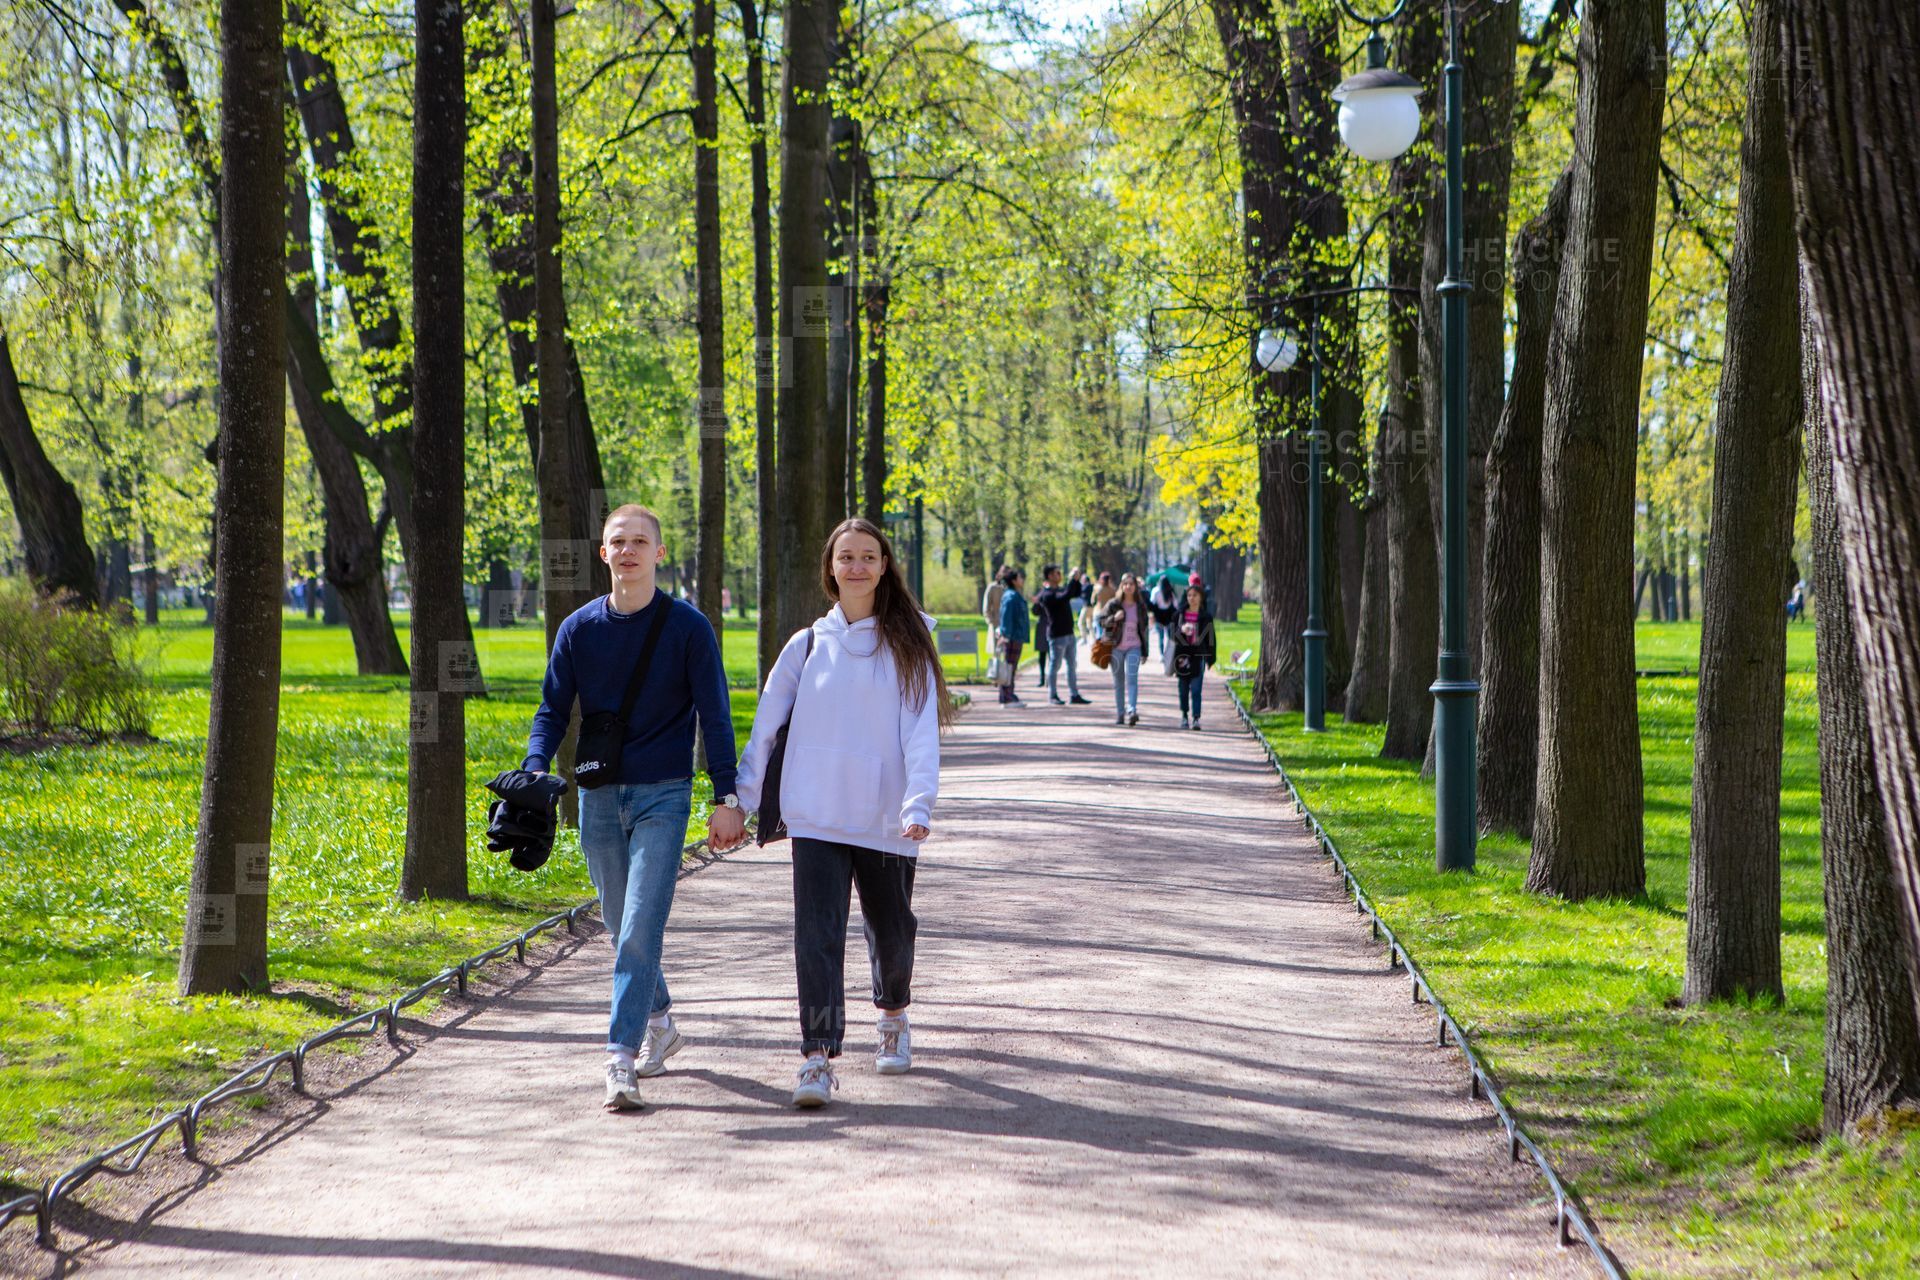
x=732, y=801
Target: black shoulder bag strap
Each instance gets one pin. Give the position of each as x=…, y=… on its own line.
x=603, y=734
x=663, y=603
x=773, y=826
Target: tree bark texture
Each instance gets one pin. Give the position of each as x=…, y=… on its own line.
x=45, y=503
x=809, y=492
x=224, y=947
x=1509, y=730
x=444, y=660
x=1853, y=99
x=1589, y=821
x=1733, y=886
x=710, y=577
x=1872, y=1033
x=877, y=298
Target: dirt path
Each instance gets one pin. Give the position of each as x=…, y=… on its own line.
x=1151, y=1039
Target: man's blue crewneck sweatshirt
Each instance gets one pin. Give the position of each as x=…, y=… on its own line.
x=593, y=656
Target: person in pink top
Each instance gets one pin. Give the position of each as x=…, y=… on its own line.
x=1123, y=624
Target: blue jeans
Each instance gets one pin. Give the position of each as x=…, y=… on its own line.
x=1126, y=681
x=1165, y=633
x=632, y=835
x=1064, y=652
x=1190, y=692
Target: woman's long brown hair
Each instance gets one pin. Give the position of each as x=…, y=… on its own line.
x=897, y=618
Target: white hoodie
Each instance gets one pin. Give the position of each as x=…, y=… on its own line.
x=862, y=764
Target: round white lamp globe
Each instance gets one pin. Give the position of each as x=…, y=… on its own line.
x=1379, y=113
x=1276, y=351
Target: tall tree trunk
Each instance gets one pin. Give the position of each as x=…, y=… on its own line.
x=711, y=575
x=45, y=503
x=1855, y=94
x=1588, y=821
x=1256, y=66
x=1509, y=730
x=1873, y=1034
x=224, y=947
x=808, y=490
x=568, y=537
x=505, y=208
x=768, y=360
x=1413, y=568
x=873, y=453
x=1733, y=889
x=1366, y=694
x=846, y=193
x=444, y=661
x=354, y=566
x=150, y=577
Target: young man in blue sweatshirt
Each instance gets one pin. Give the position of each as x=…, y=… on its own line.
x=633, y=828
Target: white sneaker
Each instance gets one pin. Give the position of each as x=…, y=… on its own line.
x=660, y=1044
x=816, y=1083
x=622, y=1093
x=896, y=1047
x=1184, y=722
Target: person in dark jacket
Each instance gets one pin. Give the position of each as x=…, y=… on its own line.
x=1062, y=644
x=1014, y=631
x=1193, y=652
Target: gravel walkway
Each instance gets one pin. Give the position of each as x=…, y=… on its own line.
x=1151, y=1039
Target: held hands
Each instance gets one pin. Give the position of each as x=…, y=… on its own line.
x=915, y=833
x=726, y=828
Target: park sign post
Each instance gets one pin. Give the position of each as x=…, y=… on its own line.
x=1378, y=121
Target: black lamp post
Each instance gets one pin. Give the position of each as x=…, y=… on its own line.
x=1277, y=352
x=1379, y=119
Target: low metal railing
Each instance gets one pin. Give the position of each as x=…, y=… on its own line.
x=126, y=1158
x=1570, y=1218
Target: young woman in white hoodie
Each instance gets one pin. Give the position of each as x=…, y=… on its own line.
x=865, y=699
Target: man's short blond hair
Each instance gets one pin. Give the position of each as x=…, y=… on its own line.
x=632, y=509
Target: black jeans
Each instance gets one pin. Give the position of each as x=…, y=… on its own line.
x=823, y=874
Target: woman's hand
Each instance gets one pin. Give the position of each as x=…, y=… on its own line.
x=915, y=833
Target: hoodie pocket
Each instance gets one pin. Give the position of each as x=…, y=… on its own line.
x=831, y=788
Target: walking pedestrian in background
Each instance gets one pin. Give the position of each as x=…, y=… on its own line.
x=990, y=605
x=1164, y=604
x=1042, y=640
x=1079, y=593
x=1193, y=652
x=1123, y=624
x=1062, y=642
x=863, y=699
x=1014, y=630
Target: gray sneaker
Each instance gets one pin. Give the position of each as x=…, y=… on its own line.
x=622, y=1093
x=816, y=1083
x=896, y=1047
x=660, y=1044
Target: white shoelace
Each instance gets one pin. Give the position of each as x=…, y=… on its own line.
x=890, y=1041
x=818, y=1070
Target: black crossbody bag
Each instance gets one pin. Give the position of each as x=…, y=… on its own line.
x=603, y=735
x=772, y=825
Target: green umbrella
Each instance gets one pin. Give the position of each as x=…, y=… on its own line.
x=1177, y=574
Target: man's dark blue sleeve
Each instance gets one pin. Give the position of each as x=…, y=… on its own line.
x=708, y=679
x=556, y=704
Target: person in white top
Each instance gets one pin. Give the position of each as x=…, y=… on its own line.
x=864, y=699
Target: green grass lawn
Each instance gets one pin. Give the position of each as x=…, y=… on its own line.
x=1692, y=1133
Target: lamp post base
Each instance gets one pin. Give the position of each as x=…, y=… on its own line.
x=1313, y=698
x=1456, y=710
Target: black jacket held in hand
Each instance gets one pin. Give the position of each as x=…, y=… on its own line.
x=523, y=820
